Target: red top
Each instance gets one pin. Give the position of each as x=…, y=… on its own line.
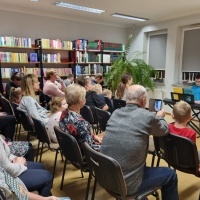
x=185, y=132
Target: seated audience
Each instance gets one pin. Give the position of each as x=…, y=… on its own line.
x=98, y=89
x=73, y=122
x=182, y=115
x=29, y=85
x=69, y=80
x=33, y=174
x=54, y=86
x=126, y=140
x=14, y=188
x=98, y=78
x=107, y=93
x=126, y=81
x=15, y=95
x=196, y=88
x=14, y=82
x=92, y=99
x=57, y=105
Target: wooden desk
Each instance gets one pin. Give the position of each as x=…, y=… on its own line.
x=195, y=113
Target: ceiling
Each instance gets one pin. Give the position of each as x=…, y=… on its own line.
x=154, y=10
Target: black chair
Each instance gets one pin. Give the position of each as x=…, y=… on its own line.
x=87, y=113
x=44, y=139
x=6, y=105
x=71, y=151
x=102, y=118
x=179, y=152
x=44, y=100
x=118, y=103
x=26, y=122
x=110, y=104
x=108, y=175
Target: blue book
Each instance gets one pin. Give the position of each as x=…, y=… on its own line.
x=33, y=57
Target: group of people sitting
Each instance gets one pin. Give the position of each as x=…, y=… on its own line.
x=126, y=138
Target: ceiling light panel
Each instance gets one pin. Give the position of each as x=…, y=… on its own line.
x=77, y=7
x=129, y=17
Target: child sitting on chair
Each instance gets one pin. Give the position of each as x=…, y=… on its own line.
x=182, y=115
x=57, y=105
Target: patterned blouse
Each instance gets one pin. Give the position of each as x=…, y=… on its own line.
x=78, y=127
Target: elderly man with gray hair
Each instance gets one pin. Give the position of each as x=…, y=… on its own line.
x=127, y=139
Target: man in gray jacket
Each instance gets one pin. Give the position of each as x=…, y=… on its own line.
x=127, y=139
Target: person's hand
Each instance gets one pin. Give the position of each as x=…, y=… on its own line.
x=97, y=139
x=20, y=160
x=161, y=113
x=51, y=198
x=3, y=113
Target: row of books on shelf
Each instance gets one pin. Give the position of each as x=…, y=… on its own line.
x=91, y=69
x=7, y=72
x=55, y=44
x=84, y=57
x=113, y=46
x=10, y=41
x=13, y=57
x=51, y=58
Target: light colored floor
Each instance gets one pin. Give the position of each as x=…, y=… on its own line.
x=75, y=186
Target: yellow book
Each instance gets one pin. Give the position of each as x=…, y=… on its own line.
x=178, y=90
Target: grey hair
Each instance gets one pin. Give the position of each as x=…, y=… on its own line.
x=136, y=94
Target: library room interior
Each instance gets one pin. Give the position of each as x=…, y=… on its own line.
x=74, y=72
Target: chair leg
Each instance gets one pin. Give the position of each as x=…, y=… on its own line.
x=81, y=173
x=153, y=160
x=20, y=126
x=94, y=189
x=41, y=152
x=54, y=166
x=63, y=175
x=158, y=162
x=88, y=186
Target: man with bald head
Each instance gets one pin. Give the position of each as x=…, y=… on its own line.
x=126, y=140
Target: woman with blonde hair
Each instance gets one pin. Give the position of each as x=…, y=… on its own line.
x=30, y=85
x=57, y=105
x=126, y=81
x=54, y=86
x=73, y=122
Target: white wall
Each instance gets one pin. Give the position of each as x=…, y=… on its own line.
x=173, y=61
x=33, y=26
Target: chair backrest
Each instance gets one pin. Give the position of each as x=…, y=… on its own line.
x=179, y=152
x=15, y=106
x=109, y=103
x=107, y=171
x=87, y=114
x=6, y=105
x=102, y=117
x=41, y=131
x=26, y=120
x=69, y=146
x=119, y=103
x=44, y=100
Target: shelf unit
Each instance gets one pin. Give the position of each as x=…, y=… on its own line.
x=15, y=57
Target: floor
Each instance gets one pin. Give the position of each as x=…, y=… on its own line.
x=75, y=186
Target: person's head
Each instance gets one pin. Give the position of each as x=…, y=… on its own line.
x=85, y=82
x=75, y=95
x=58, y=104
x=107, y=93
x=126, y=81
x=29, y=85
x=181, y=112
x=15, y=95
x=15, y=78
x=98, y=78
x=70, y=77
x=137, y=94
x=51, y=74
x=97, y=88
x=197, y=79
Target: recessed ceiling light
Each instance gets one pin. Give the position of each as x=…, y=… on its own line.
x=76, y=7
x=129, y=17
x=35, y=0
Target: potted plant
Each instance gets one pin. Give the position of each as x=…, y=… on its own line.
x=142, y=72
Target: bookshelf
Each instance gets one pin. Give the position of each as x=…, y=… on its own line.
x=15, y=57
x=55, y=54
x=93, y=57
